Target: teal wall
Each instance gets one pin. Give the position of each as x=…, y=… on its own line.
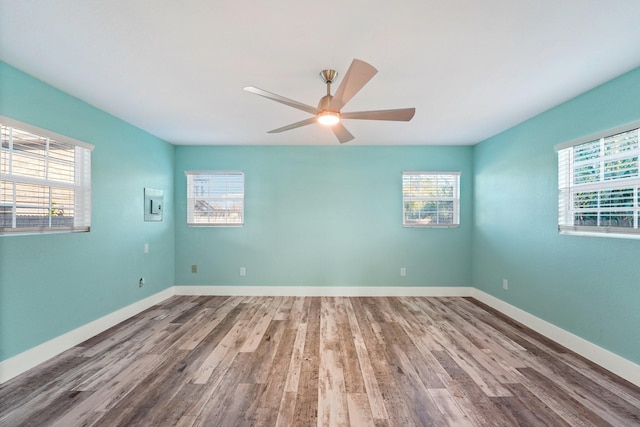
x=323, y=216
x=589, y=286
x=51, y=284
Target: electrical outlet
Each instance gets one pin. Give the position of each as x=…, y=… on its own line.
x=403, y=271
x=194, y=268
x=243, y=271
x=141, y=282
x=505, y=284
x=146, y=248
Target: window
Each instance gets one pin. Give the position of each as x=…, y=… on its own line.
x=45, y=181
x=598, y=182
x=431, y=199
x=215, y=198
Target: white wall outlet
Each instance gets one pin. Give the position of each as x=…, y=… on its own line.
x=505, y=284
x=141, y=282
x=243, y=271
x=403, y=271
x=146, y=248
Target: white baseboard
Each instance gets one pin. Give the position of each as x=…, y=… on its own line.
x=608, y=360
x=327, y=291
x=28, y=359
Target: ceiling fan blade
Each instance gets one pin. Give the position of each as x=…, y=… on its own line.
x=294, y=125
x=282, y=100
x=342, y=133
x=358, y=74
x=400, y=115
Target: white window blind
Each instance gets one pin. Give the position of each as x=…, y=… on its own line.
x=215, y=198
x=599, y=182
x=45, y=181
x=431, y=199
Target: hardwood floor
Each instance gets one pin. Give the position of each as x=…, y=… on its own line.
x=293, y=361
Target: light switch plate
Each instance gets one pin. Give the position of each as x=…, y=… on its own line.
x=153, y=204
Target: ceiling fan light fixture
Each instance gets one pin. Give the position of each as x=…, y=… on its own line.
x=328, y=118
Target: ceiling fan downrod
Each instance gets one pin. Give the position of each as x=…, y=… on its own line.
x=327, y=76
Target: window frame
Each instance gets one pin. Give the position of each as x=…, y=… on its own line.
x=234, y=199
x=79, y=186
x=568, y=189
x=455, y=199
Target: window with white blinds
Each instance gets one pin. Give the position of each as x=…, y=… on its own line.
x=431, y=199
x=215, y=198
x=599, y=182
x=45, y=181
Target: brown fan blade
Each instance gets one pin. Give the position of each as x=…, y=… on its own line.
x=282, y=100
x=342, y=133
x=294, y=125
x=400, y=115
x=358, y=74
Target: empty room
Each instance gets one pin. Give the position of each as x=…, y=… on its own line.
x=286, y=213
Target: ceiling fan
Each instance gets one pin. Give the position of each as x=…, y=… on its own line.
x=328, y=111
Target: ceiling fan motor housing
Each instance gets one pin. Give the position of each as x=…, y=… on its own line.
x=324, y=103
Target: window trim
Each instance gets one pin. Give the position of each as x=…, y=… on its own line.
x=189, y=218
x=455, y=199
x=81, y=187
x=565, y=188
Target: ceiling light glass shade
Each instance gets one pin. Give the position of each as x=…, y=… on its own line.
x=328, y=118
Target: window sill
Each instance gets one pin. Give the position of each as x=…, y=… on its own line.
x=431, y=226
x=608, y=234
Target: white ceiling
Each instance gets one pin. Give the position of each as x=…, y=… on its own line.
x=176, y=68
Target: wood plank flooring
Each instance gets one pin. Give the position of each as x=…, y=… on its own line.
x=295, y=361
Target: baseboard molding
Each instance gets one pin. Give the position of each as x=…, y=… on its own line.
x=608, y=360
x=327, y=291
x=28, y=359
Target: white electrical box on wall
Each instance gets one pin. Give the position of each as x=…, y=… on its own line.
x=153, y=204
